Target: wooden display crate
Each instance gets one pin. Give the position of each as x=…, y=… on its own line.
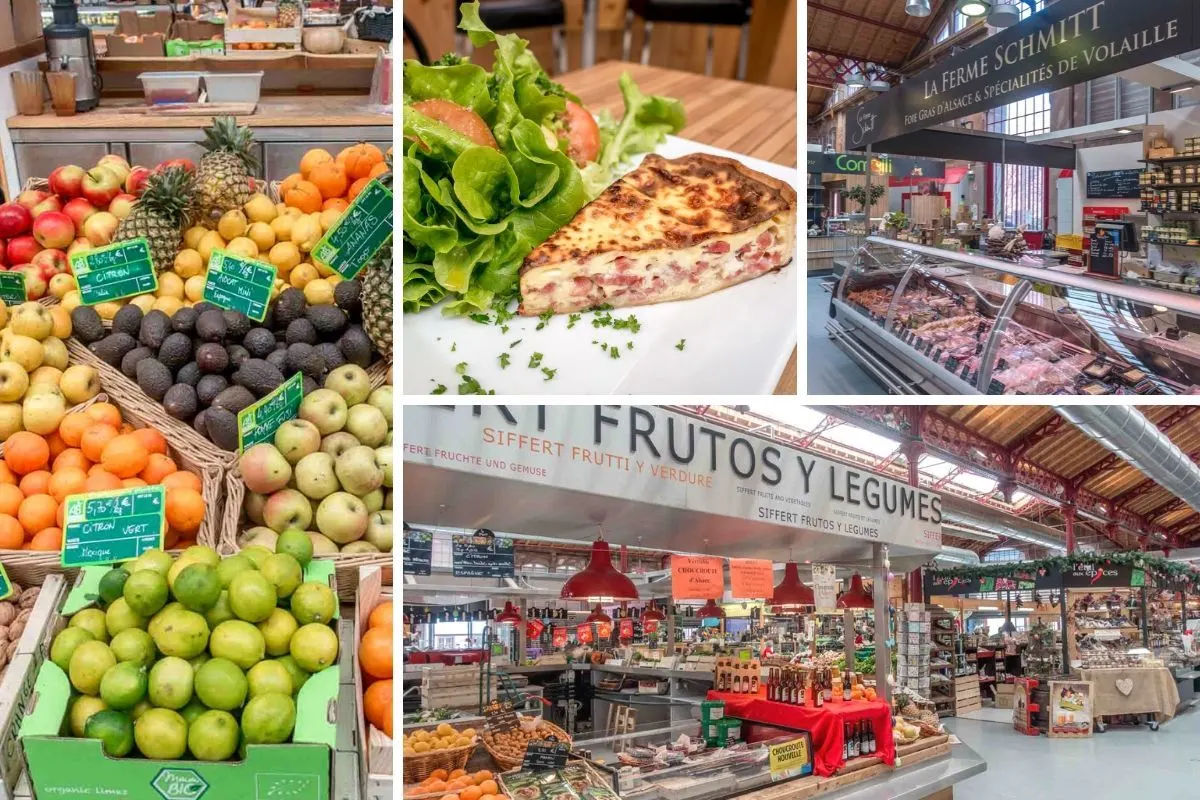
x=966, y=695
x=266, y=40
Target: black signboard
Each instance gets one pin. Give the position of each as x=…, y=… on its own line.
x=1087, y=576
x=498, y=717
x=956, y=586
x=1102, y=253
x=482, y=555
x=544, y=754
x=418, y=551
x=881, y=165
x=1071, y=42
x=1120, y=184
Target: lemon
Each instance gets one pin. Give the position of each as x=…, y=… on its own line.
x=232, y=224
x=328, y=217
x=167, y=305
x=244, y=247
x=143, y=301
x=193, y=287
x=188, y=263
x=62, y=284
x=262, y=235
x=72, y=300
x=259, y=208
x=209, y=242
x=285, y=256
x=282, y=226
x=281, y=209
x=108, y=310
x=193, y=235
x=318, y=292
x=170, y=285
x=301, y=275
x=306, y=232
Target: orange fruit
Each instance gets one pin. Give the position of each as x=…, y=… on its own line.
x=377, y=705
x=182, y=479
x=184, y=544
x=379, y=169
x=335, y=204
x=289, y=182
x=10, y=499
x=56, y=444
x=375, y=652
x=25, y=452
x=12, y=534
x=72, y=427
x=450, y=796
x=6, y=474
x=157, y=467
x=94, y=468
x=185, y=509
x=129, y=483
x=314, y=158
x=482, y=775
x=104, y=412
x=152, y=440
x=359, y=159
x=381, y=617
x=36, y=482
x=36, y=512
x=47, y=539
x=71, y=457
x=356, y=187
x=438, y=774
x=488, y=787
x=171, y=539
x=437, y=786
x=65, y=482
x=305, y=196
x=125, y=456
x=455, y=773
x=470, y=793
x=330, y=180
x=101, y=480
x=96, y=438
x=61, y=516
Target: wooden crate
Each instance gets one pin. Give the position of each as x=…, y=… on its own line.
x=966, y=694
x=248, y=41
x=375, y=752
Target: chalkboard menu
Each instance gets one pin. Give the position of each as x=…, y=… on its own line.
x=499, y=717
x=544, y=754
x=1116, y=184
x=482, y=555
x=1102, y=253
x=418, y=551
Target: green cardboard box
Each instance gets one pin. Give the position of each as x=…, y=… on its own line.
x=61, y=766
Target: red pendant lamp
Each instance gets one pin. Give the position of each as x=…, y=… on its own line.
x=710, y=610
x=598, y=579
x=652, y=614
x=791, y=591
x=598, y=615
x=509, y=616
x=856, y=596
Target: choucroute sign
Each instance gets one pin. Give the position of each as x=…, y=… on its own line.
x=653, y=455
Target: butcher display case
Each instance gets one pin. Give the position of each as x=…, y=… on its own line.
x=925, y=320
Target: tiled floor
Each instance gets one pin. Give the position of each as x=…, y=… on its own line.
x=1122, y=763
x=830, y=370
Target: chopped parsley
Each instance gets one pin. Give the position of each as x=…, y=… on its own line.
x=681, y=344
x=451, y=60
x=514, y=344
x=544, y=319
x=460, y=368
x=504, y=360
x=454, y=347
x=439, y=389
x=549, y=373
x=471, y=386
x=607, y=320
x=482, y=319
x=629, y=345
x=504, y=329
x=614, y=352
x=535, y=360
x=572, y=319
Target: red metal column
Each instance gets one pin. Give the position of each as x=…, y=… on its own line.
x=1068, y=512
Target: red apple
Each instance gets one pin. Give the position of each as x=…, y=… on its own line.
x=186, y=163
x=117, y=164
x=3, y=254
x=51, y=203
x=51, y=263
x=79, y=209
x=99, y=228
x=21, y=249
x=80, y=245
x=100, y=186
x=135, y=183
x=31, y=198
x=54, y=229
x=15, y=219
x=121, y=205
x=35, y=284
x=67, y=181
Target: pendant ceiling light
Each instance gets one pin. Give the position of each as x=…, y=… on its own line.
x=710, y=610
x=598, y=580
x=974, y=8
x=652, y=614
x=1004, y=15
x=856, y=79
x=879, y=85
x=918, y=8
x=509, y=616
x=856, y=596
x=791, y=591
x=598, y=615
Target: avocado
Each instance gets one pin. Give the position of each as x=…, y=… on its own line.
x=130, y=361
x=209, y=387
x=238, y=355
x=332, y=355
x=233, y=398
x=212, y=357
x=154, y=378
x=304, y=358
x=301, y=330
x=189, y=373
x=288, y=307
x=87, y=325
x=211, y=326
x=128, y=319
x=221, y=427
x=259, y=376
x=310, y=384
x=203, y=306
x=348, y=297
x=237, y=325
x=180, y=402
x=355, y=346
x=112, y=348
x=184, y=320
x=156, y=326
x=199, y=423
x=259, y=342
x=329, y=321
x=176, y=350
x=278, y=359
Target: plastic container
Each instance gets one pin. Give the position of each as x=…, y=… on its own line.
x=161, y=88
x=233, y=87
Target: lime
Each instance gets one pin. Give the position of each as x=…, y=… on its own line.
x=314, y=647
x=252, y=597
x=92, y=621
x=146, y=592
x=213, y=736
x=313, y=601
x=277, y=631
x=269, y=719
x=120, y=617
x=296, y=544
x=202, y=554
x=89, y=662
x=161, y=733
x=171, y=683
x=113, y=729
x=65, y=643
x=154, y=560
x=179, y=632
x=135, y=646
x=82, y=710
x=181, y=563
x=284, y=573
x=238, y=641
x=199, y=660
x=123, y=686
x=299, y=676
x=220, y=612
x=221, y=684
x=268, y=677
x=198, y=587
x=257, y=554
x=193, y=709
x=231, y=566
x=142, y=707
x=112, y=584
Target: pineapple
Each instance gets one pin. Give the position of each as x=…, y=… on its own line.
x=161, y=215
x=224, y=177
x=289, y=12
x=377, y=291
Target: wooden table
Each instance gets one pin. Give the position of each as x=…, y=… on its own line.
x=747, y=118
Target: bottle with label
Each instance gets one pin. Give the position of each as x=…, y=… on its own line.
x=826, y=687
x=845, y=741
x=854, y=747
x=737, y=680
x=755, y=675
x=771, y=685
x=818, y=690
x=846, y=687
x=870, y=737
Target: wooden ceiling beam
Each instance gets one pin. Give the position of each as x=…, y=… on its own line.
x=816, y=5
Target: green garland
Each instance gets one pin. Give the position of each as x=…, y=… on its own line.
x=1177, y=572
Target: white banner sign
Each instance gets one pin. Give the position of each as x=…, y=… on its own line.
x=824, y=586
x=651, y=455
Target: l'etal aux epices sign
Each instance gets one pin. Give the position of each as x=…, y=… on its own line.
x=652, y=455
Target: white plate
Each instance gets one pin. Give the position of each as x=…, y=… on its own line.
x=737, y=341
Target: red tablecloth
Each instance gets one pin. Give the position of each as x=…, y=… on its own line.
x=824, y=723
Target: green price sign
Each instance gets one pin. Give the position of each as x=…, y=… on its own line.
x=258, y=423
x=106, y=527
x=12, y=288
x=113, y=272
x=362, y=230
x=239, y=284
x=5, y=584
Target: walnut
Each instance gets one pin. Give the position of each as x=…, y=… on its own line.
x=4, y=659
x=16, y=588
x=10, y=652
x=8, y=612
x=24, y=615
x=29, y=597
x=15, y=630
x=3, y=633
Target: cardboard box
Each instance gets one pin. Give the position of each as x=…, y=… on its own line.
x=153, y=28
x=191, y=30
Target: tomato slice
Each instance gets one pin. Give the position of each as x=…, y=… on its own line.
x=583, y=134
x=460, y=118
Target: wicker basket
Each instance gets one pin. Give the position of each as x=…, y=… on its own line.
x=505, y=763
x=380, y=373
x=420, y=766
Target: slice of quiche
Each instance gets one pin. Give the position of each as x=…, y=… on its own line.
x=669, y=230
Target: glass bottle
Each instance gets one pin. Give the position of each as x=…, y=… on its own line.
x=826, y=687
